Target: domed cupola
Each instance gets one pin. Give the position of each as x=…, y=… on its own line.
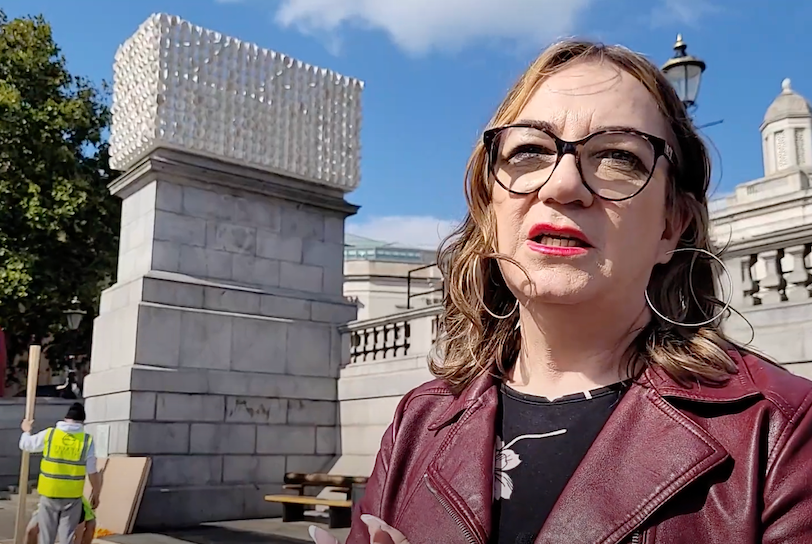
x=786, y=132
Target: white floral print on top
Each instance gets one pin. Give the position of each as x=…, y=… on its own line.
x=507, y=459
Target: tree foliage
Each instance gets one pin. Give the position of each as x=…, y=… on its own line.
x=58, y=223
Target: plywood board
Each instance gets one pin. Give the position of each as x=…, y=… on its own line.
x=123, y=483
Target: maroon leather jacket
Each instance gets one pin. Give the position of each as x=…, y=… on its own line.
x=723, y=465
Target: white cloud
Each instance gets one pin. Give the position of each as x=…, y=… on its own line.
x=409, y=230
x=418, y=26
x=687, y=12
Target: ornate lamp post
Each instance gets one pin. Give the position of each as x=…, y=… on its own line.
x=74, y=314
x=684, y=72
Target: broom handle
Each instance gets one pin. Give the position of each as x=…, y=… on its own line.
x=30, y=403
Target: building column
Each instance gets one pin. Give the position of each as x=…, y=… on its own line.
x=217, y=351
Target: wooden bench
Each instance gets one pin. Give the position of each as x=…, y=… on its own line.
x=340, y=510
x=316, y=478
x=300, y=488
x=293, y=507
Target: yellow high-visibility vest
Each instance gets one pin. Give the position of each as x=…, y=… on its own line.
x=62, y=469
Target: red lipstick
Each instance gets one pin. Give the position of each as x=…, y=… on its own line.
x=557, y=240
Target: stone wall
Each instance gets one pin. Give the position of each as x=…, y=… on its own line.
x=217, y=352
x=388, y=357
x=368, y=396
x=12, y=412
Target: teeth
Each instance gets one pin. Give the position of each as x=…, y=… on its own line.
x=559, y=242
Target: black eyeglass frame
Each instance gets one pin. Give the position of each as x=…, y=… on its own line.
x=564, y=147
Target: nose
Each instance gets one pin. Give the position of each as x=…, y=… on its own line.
x=566, y=186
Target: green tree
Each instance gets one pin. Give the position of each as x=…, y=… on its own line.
x=58, y=223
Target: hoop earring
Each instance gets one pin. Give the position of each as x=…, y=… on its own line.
x=485, y=306
x=510, y=313
x=712, y=319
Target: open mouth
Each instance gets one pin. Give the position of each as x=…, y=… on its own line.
x=558, y=241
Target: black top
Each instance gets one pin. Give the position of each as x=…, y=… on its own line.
x=540, y=443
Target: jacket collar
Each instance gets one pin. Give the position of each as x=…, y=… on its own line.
x=481, y=386
x=665, y=448
x=738, y=387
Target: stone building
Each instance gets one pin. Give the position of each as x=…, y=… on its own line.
x=766, y=226
x=384, y=278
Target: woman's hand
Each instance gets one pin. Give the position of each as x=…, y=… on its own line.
x=379, y=533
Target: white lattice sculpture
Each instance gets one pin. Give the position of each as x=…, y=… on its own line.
x=180, y=86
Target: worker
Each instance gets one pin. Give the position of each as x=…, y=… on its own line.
x=68, y=456
x=85, y=531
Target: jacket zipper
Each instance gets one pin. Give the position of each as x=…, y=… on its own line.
x=469, y=536
x=637, y=538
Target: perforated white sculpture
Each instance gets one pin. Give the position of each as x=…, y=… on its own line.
x=180, y=86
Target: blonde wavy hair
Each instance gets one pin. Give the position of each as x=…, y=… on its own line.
x=474, y=341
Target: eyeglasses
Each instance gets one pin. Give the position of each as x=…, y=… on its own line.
x=614, y=164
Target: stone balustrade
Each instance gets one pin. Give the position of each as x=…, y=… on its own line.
x=774, y=275
x=394, y=336
x=765, y=228
x=387, y=357
x=772, y=293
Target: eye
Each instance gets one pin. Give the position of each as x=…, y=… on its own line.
x=620, y=158
x=526, y=152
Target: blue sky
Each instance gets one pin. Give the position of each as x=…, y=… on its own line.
x=435, y=70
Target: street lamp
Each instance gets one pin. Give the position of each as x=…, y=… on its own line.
x=684, y=72
x=75, y=314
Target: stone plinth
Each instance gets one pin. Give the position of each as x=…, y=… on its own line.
x=217, y=351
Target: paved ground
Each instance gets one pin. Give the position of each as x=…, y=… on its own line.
x=8, y=516
x=255, y=531
x=258, y=531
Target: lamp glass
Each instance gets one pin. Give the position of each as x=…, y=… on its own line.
x=74, y=320
x=685, y=77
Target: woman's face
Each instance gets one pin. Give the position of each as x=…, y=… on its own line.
x=620, y=242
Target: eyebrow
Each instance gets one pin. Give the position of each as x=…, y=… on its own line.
x=541, y=125
x=545, y=125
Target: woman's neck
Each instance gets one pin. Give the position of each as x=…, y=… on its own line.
x=567, y=349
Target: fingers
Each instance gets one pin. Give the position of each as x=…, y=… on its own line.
x=320, y=536
x=381, y=533
x=380, y=537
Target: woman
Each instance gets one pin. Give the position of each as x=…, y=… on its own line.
x=583, y=343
